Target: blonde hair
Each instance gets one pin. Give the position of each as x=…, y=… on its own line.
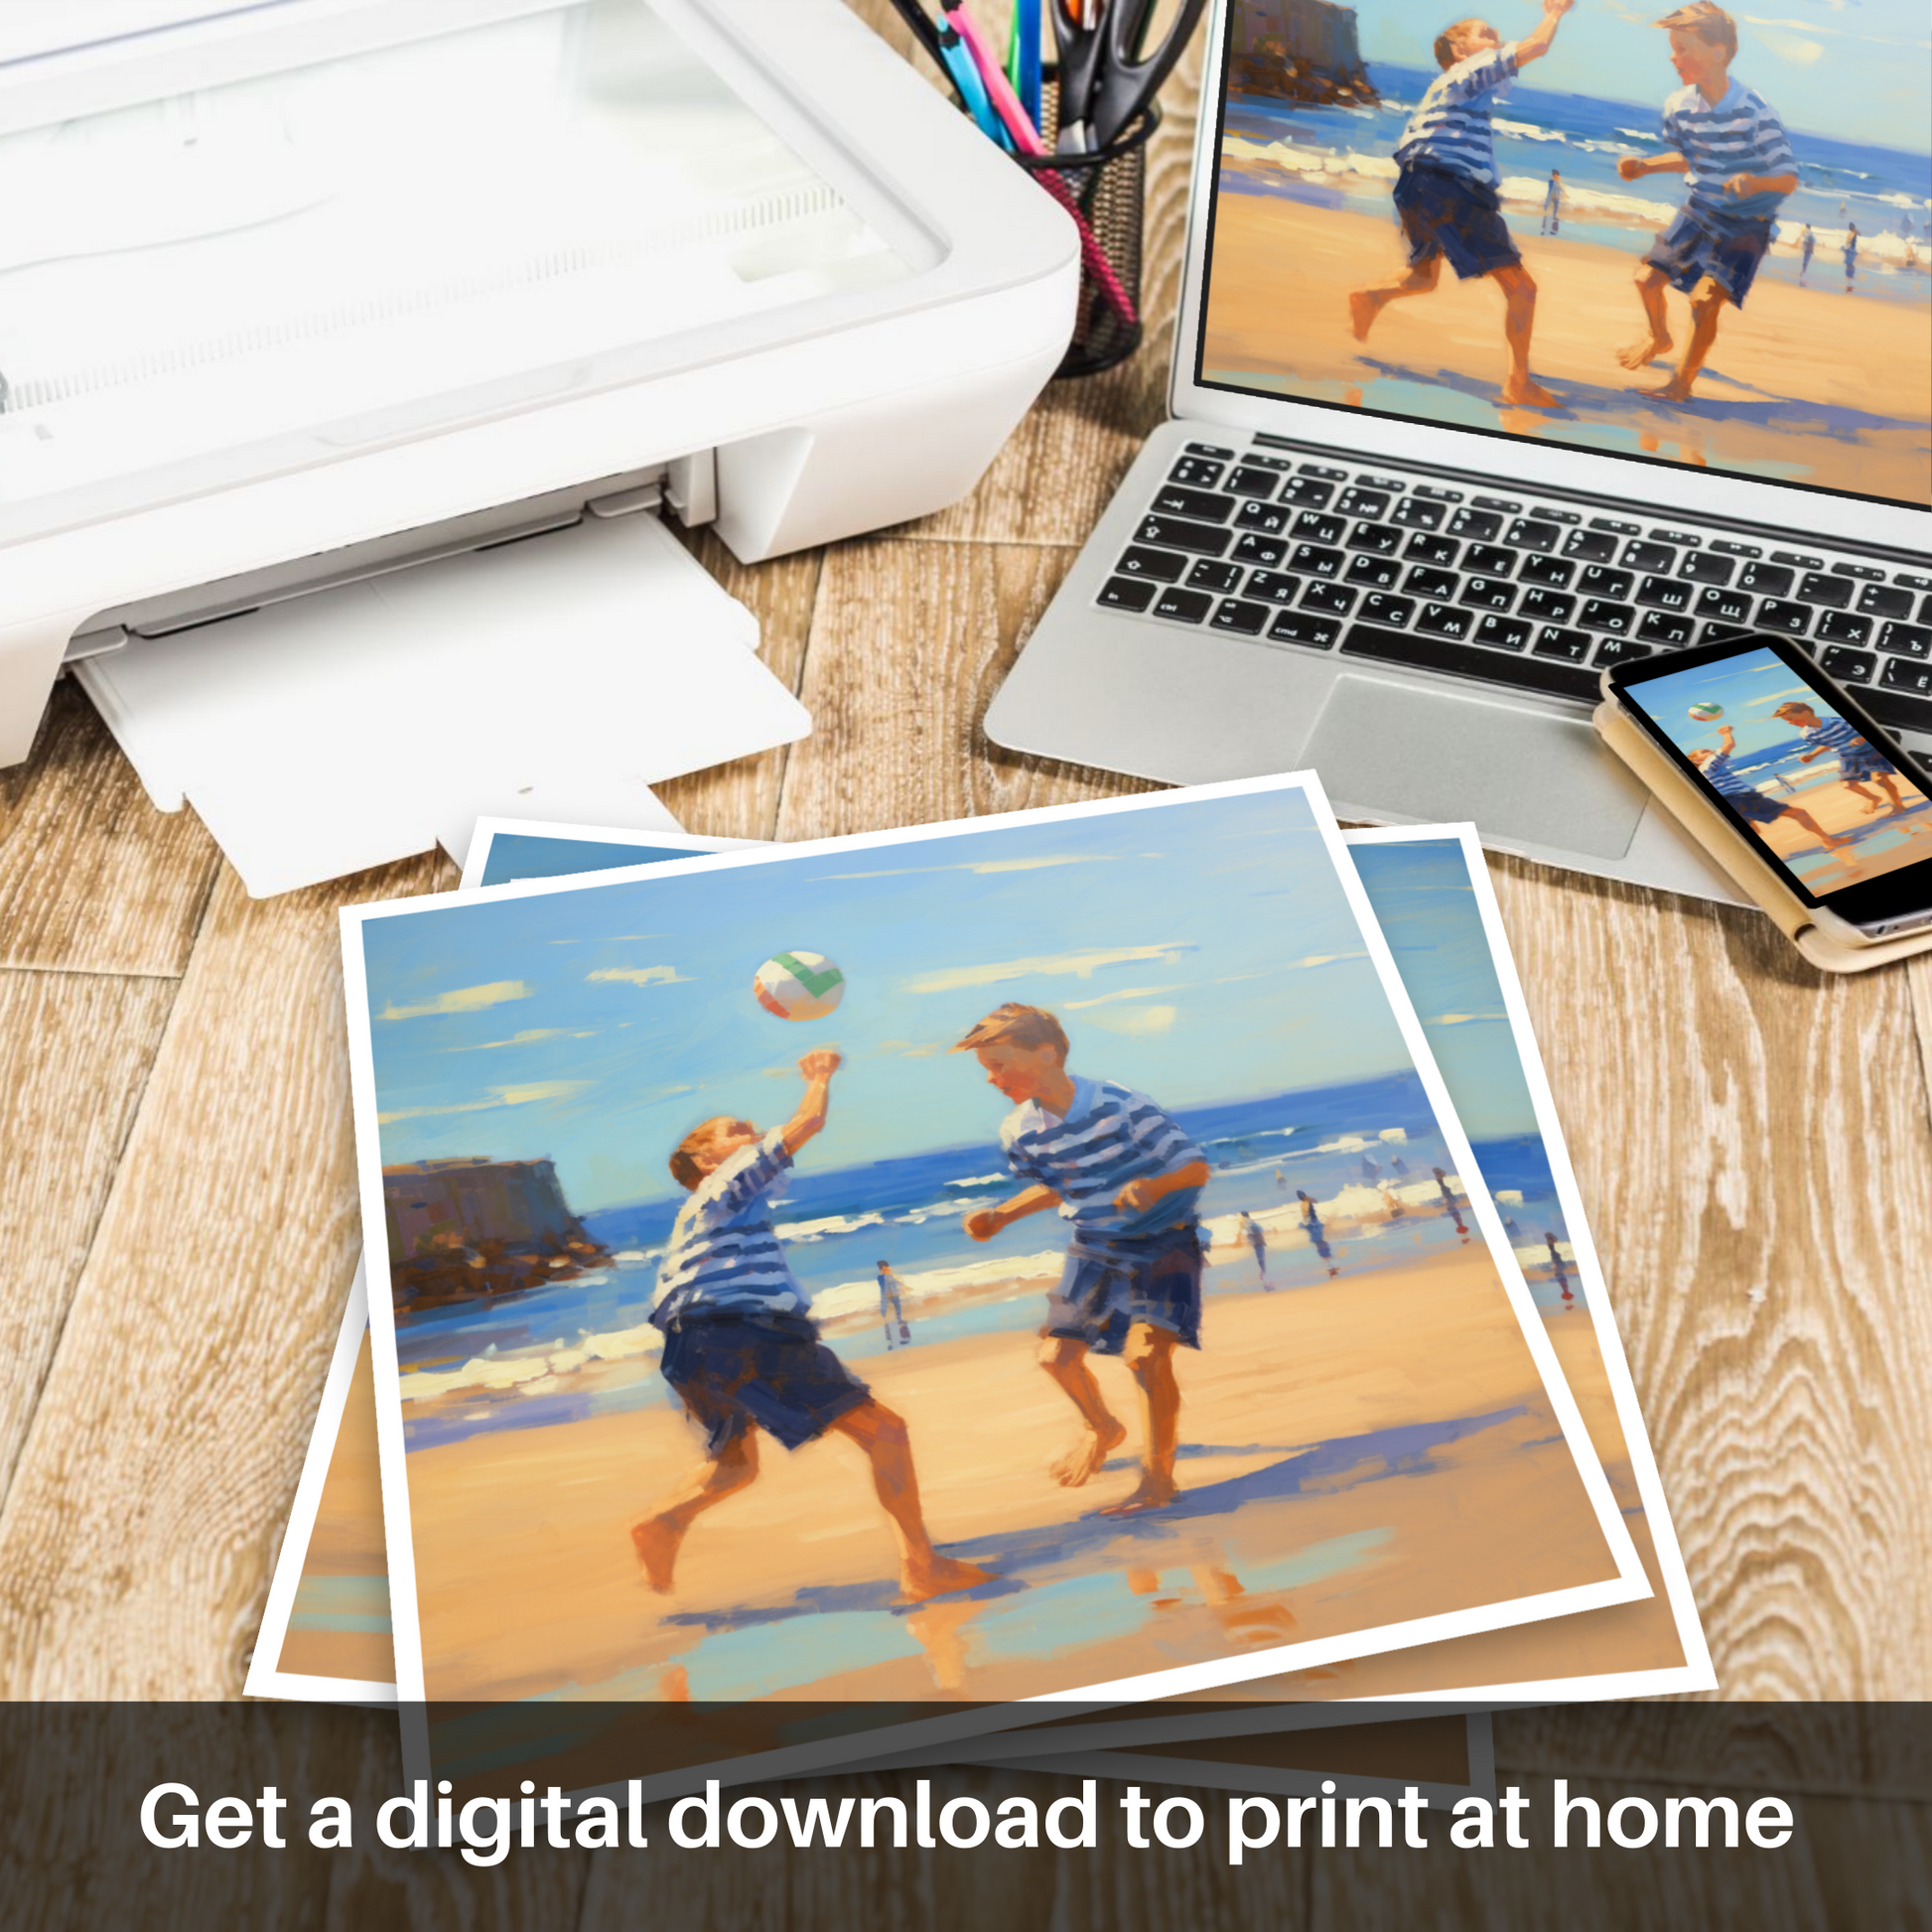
x=1445, y=47
x=1016, y=1025
x=1707, y=21
x=684, y=1165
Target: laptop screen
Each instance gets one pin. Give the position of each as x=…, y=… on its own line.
x=1582, y=225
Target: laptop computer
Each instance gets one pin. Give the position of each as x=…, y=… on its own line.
x=1352, y=552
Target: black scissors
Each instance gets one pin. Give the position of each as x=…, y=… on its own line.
x=1106, y=74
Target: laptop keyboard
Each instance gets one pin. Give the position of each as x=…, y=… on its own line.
x=1525, y=593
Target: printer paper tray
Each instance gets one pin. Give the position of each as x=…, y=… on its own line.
x=556, y=677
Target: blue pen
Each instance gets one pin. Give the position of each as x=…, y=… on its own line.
x=966, y=79
x=1026, y=39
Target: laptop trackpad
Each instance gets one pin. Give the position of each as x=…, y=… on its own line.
x=1428, y=755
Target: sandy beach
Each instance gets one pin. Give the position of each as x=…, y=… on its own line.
x=1884, y=839
x=1805, y=386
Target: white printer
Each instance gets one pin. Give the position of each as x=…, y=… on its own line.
x=311, y=309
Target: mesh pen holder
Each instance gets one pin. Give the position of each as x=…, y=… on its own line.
x=1105, y=191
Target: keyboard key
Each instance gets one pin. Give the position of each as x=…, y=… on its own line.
x=1664, y=593
x=1545, y=607
x=1426, y=549
x=1196, y=471
x=1907, y=640
x=1866, y=572
x=1731, y=549
x=1598, y=582
x=1211, y=448
x=1702, y=568
x=1235, y=613
x=1323, y=470
x=1848, y=666
x=1925, y=611
x=1600, y=613
x=1896, y=709
x=1316, y=528
x=1314, y=561
x=1128, y=593
x=1439, y=495
x=1392, y=485
x=1881, y=600
x=1592, y=546
x=1834, y=593
x=1553, y=571
x=1618, y=650
x=1508, y=505
x=1665, y=628
x=1392, y=611
x=1419, y=513
x=1183, y=607
x=1617, y=527
x=1276, y=585
x=1770, y=580
x=1248, y=480
x=1489, y=560
x=1502, y=633
x=1902, y=675
x=1841, y=627
x=1724, y=634
x=1438, y=653
x=1725, y=606
x=1254, y=549
x=1645, y=555
x=1780, y=613
x=1332, y=599
x=1270, y=518
x=1480, y=524
x=1281, y=465
x=1571, y=645
x=1302, y=628
x=1309, y=493
x=1171, y=499
x=1431, y=583
x=1162, y=565
x=1382, y=538
x=1676, y=536
x=1362, y=502
x=1379, y=573
x=1531, y=533
x=1446, y=621
x=1176, y=533
x=1549, y=515
x=1487, y=595
x=1211, y=575
x=1911, y=580
x=1797, y=560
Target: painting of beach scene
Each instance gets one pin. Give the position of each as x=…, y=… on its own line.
x=1684, y=235
x=909, y=1350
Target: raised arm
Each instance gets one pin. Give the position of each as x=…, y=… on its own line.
x=818, y=1068
x=1727, y=739
x=1536, y=43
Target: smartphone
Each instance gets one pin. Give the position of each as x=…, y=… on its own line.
x=1835, y=805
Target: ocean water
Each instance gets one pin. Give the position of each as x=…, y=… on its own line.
x=520, y=1360
x=1347, y=154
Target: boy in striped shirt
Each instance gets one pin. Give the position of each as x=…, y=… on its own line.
x=1858, y=758
x=1745, y=798
x=1129, y=1179
x=1446, y=187
x=1737, y=158
x=743, y=1353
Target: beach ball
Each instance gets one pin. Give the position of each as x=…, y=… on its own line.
x=1705, y=712
x=798, y=985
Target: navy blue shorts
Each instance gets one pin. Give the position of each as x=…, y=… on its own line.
x=735, y=1370
x=1863, y=762
x=1753, y=807
x=1690, y=249
x=1100, y=1296
x=1444, y=212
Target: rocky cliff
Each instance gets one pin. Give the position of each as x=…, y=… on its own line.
x=1298, y=50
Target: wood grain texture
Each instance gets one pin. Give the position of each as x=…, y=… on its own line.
x=74, y=1054
x=95, y=879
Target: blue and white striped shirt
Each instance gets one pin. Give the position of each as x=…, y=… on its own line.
x=724, y=1256
x=1738, y=136
x=1722, y=774
x=1450, y=129
x=1835, y=735
x=1108, y=1137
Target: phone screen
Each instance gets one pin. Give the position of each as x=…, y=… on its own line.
x=1833, y=803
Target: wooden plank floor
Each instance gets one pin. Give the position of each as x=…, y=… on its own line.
x=1754, y=1141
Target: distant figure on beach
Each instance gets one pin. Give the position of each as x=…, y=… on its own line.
x=743, y=1354
x=1251, y=1232
x=1449, y=1206
x=1738, y=161
x=891, y=1307
x=1446, y=188
x=1553, y=203
x=1745, y=799
x=1129, y=1178
x=1850, y=255
x=1807, y=246
x=1857, y=760
x=1317, y=1236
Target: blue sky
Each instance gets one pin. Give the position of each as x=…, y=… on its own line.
x=1202, y=951
x=1750, y=688
x=1855, y=70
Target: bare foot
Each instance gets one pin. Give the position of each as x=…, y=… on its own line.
x=1362, y=311
x=1639, y=355
x=655, y=1542
x=1832, y=844
x=937, y=1574
x=1081, y=1463
x=1675, y=390
x=1527, y=391
x=1150, y=1493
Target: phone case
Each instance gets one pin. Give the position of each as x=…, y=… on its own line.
x=1739, y=856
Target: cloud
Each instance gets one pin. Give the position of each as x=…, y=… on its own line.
x=642, y=975
x=1778, y=697
x=524, y=1038
x=992, y=865
x=1801, y=53
x=465, y=998
x=1460, y=1019
x=507, y=1096
x=1324, y=959
x=1137, y=1020
x=1126, y=993
x=1079, y=965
